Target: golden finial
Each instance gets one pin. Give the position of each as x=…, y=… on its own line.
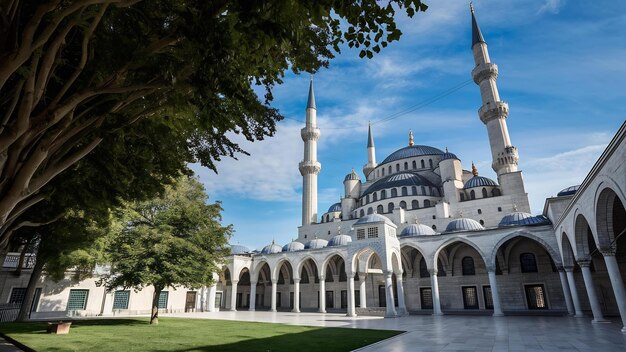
x=410, y=137
x=471, y=7
x=446, y=149
x=474, y=170
x=514, y=207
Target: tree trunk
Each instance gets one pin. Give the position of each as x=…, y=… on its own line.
x=154, y=316
x=20, y=263
x=24, y=313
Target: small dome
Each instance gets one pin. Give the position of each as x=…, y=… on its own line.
x=293, y=246
x=417, y=230
x=464, y=224
x=334, y=208
x=316, y=244
x=271, y=249
x=520, y=218
x=238, y=249
x=568, y=191
x=412, y=151
x=480, y=181
x=339, y=240
x=447, y=155
x=374, y=218
x=352, y=177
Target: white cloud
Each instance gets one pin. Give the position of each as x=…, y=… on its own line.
x=551, y=6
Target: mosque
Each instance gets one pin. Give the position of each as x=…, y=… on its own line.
x=416, y=234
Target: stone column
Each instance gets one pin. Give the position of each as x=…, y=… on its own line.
x=591, y=292
x=362, y=289
x=391, y=309
x=233, y=296
x=296, y=296
x=211, y=302
x=435, y=291
x=566, y=293
x=572, y=288
x=322, y=308
x=273, y=308
x=401, y=305
x=252, y=296
x=495, y=294
x=351, y=301
x=617, y=283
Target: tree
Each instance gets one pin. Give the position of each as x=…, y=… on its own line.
x=75, y=72
x=169, y=241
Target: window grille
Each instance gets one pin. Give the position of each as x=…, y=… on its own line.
x=17, y=295
x=77, y=299
x=360, y=234
x=163, y=296
x=120, y=300
x=372, y=232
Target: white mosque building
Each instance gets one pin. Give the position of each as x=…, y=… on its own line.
x=416, y=234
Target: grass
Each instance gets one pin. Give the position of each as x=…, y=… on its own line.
x=178, y=334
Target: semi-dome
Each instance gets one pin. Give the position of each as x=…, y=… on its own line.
x=339, y=240
x=271, y=249
x=480, y=181
x=464, y=224
x=353, y=176
x=373, y=218
x=334, y=208
x=238, y=249
x=398, y=180
x=568, y=191
x=316, y=244
x=417, y=230
x=521, y=218
x=412, y=151
x=293, y=246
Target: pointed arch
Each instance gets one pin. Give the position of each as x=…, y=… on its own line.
x=457, y=240
x=552, y=252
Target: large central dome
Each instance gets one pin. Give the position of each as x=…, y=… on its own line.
x=398, y=180
x=412, y=151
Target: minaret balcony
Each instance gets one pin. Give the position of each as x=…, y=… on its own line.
x=508, y=156
x=309, y=167
x=491, y=111
x=310, y=133
x=484, y=71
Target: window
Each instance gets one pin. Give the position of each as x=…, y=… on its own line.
x=434, y=217
x=390, y=207
x=394, y=192
x=370, y=211
x=467, y=266
x=380, y=209
x=383, y=170
x=481, y=222
x=404, y=192
x=397, y=167
x=462, y=196
x=17, y=295
x=414, y=164
x=423, y=268
x=163, y=296
x=375, y=196
x=430, y=163
x=77, y=299
x=423, y=190
x=403, y=204
x=535, y=297
x=360, y=234
x=422, y=163
x=406, y=165
x=528, y=263
x=426, y=297
x=120, y=299
x=390, y=171
x=470, y=297
x=495, y=192
x=426, y=203
x=372, y=232
x=434, y=227
x=484, y=193
x=472, y=194
x=480, y=211
x=362, y=213
x=383, y=194
x=499, y=208
x=488, y=297
x=367, y=198
x=415, y=204
x=414, y=190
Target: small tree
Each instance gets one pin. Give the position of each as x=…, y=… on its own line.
x=173, y=240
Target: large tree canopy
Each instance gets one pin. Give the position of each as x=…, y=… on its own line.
x=75, y=72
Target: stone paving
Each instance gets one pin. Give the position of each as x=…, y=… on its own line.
x=458, y=333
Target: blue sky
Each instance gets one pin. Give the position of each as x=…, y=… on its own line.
x=562, y=70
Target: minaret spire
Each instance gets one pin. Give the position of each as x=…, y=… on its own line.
x=371, y=154
x=309, y=166
x=477, y=36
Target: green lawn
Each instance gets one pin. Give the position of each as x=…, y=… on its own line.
x=177, y=334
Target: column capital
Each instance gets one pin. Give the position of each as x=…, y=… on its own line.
x=608, y=252
x=560, y=268
x=234, y=282
x=253, y=282
x=387, y=273
x=568, y=268
x=322, y=278
x=584, y=263
x=432, y=272
x=296, y=281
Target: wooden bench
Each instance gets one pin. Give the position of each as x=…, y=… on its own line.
x=59, y=327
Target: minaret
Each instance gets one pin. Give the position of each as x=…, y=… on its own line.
x=310, y=167
x=493, y=112
x=371, y=154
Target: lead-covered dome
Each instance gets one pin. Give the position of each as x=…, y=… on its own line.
x=398, y=180
x=412, y=151
x=316, y=244
x=568, y=191
x=480, y=181
x=417, y=230
x=353, y=176
x=373, y=218
x=271, y=249
x=334, y=208
x=520, y=218
x=464, y=224
x=447, y=155
x=293, y=246
x=339, y=240
x=238, y=249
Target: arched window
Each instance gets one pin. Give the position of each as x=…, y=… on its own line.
x=414, y=190
x=495, y=192
x=472, y=194
x=480, y=211
x=370, y=211
x=430, y=163
x=380, y=209
x=467, y=265
x=414, y=164
x=423, y=190
x=462, y=196
x=415, y=204
x=423, y=268
x=389, y=169
x=404, y=191
x=375, y=196
x=390, y=207
x=482, y=222
x=406, y=165
x=499, y=208
x=383, y=194
x=383, y=170
x=403, y=204
x=528, y=263
x=434, y=227
x=394, y=192
x=397, y=167
x=362, y=213
x=426, y=203
x=484, y=193
x=423, y=165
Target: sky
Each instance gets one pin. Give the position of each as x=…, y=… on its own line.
x=562, y=70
